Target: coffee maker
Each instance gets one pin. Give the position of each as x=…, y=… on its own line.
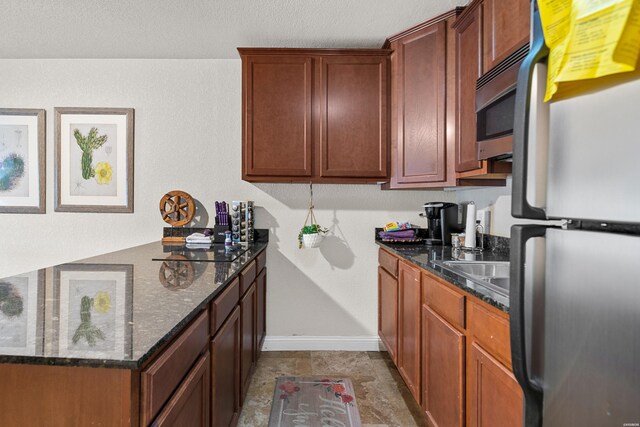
x=442, y=219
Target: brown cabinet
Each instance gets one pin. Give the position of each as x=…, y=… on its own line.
x=189, y=405
x=468, y=70
x=261, y=310
x=388, y=312
x=277, y=128
x=225, y=373
x=469, y=67
x=247, y=339
x=317, y=115
x=422, y=109
x=409, y=336
x=494, y=396
x=443, y=356
x=505, y=29
x=452, y=349
x=162, y=376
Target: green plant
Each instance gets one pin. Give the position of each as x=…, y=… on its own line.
x=87, y=144
x=310, y=229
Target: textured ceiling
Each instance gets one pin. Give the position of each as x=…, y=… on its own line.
x=199, y=28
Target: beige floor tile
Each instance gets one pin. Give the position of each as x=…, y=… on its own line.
x=383, y=399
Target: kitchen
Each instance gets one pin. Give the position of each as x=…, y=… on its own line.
x=187, y=96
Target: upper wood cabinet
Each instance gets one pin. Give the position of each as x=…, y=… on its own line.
x=315, y=115
x=422, y=105
x=277, y=92
x=470, y=33
x=505, y=29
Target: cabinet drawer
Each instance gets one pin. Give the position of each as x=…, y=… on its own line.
x=224, y=304
x=247, y=277
x=388, y=262
x=261, y=261
x=492, y=331
x=163, y=376
x=189, y=405
x=444, y=301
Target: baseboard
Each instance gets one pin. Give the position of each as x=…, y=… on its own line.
x=326, y=343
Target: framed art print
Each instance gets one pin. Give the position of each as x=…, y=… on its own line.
x=93, y=308
x=22, y=161
x=94, y=159
x=22, y=314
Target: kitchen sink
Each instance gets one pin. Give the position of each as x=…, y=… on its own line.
x=490, y=274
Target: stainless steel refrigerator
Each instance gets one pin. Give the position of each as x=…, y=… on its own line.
x=575, y=281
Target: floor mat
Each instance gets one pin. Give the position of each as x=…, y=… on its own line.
x=314, y=401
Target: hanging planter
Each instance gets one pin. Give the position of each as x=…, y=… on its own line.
x=311, y=234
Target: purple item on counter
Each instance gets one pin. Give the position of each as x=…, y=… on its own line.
x=402, y=234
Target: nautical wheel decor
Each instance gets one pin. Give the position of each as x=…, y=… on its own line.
x=177, y=208
x=176, y=273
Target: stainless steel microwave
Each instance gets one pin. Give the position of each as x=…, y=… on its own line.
x=495, y=107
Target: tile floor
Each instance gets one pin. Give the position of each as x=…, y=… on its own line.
x=382, y=396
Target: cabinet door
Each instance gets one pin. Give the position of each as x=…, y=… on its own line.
x=277, y=116
x=409, y=336
x=388, y=312
x=261, y=310
x=494, y=396
x=505, y=28
x=420, y=127
x=443, y=367
x=225, y=372
x=467, y=73
x=247, y=339
x=354, y=133
x=189, y=405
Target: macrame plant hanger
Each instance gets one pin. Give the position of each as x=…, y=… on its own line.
x=310, y=214
x=310, y=240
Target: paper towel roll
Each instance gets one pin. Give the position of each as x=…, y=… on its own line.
x=470, y=229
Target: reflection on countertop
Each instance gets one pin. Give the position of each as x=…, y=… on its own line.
x=423, y=256
x=113, y=310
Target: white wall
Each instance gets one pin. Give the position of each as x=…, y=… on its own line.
x=188, y=137
x=498, y=201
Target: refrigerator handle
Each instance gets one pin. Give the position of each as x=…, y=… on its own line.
x=520, y=234
x=520, y=207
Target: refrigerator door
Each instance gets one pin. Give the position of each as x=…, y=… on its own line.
x=577, y=158
x=589, y=314
x=594, y=156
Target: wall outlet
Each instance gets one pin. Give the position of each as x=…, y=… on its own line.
x=484, y=215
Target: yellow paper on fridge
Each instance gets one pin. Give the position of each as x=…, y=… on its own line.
x=588, y=39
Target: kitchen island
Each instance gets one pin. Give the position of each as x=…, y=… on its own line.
x=139, y=336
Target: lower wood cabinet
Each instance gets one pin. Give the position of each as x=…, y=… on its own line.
x=189, y=405
x=409, y=336
x=494, y=397
x=261, y=310
x=388, y=312
x=443, y=356
x=225, y=373
x=247, y=339
x=452, y=348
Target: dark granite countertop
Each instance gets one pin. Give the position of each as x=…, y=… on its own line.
x=114, y=310
x=423, y=256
